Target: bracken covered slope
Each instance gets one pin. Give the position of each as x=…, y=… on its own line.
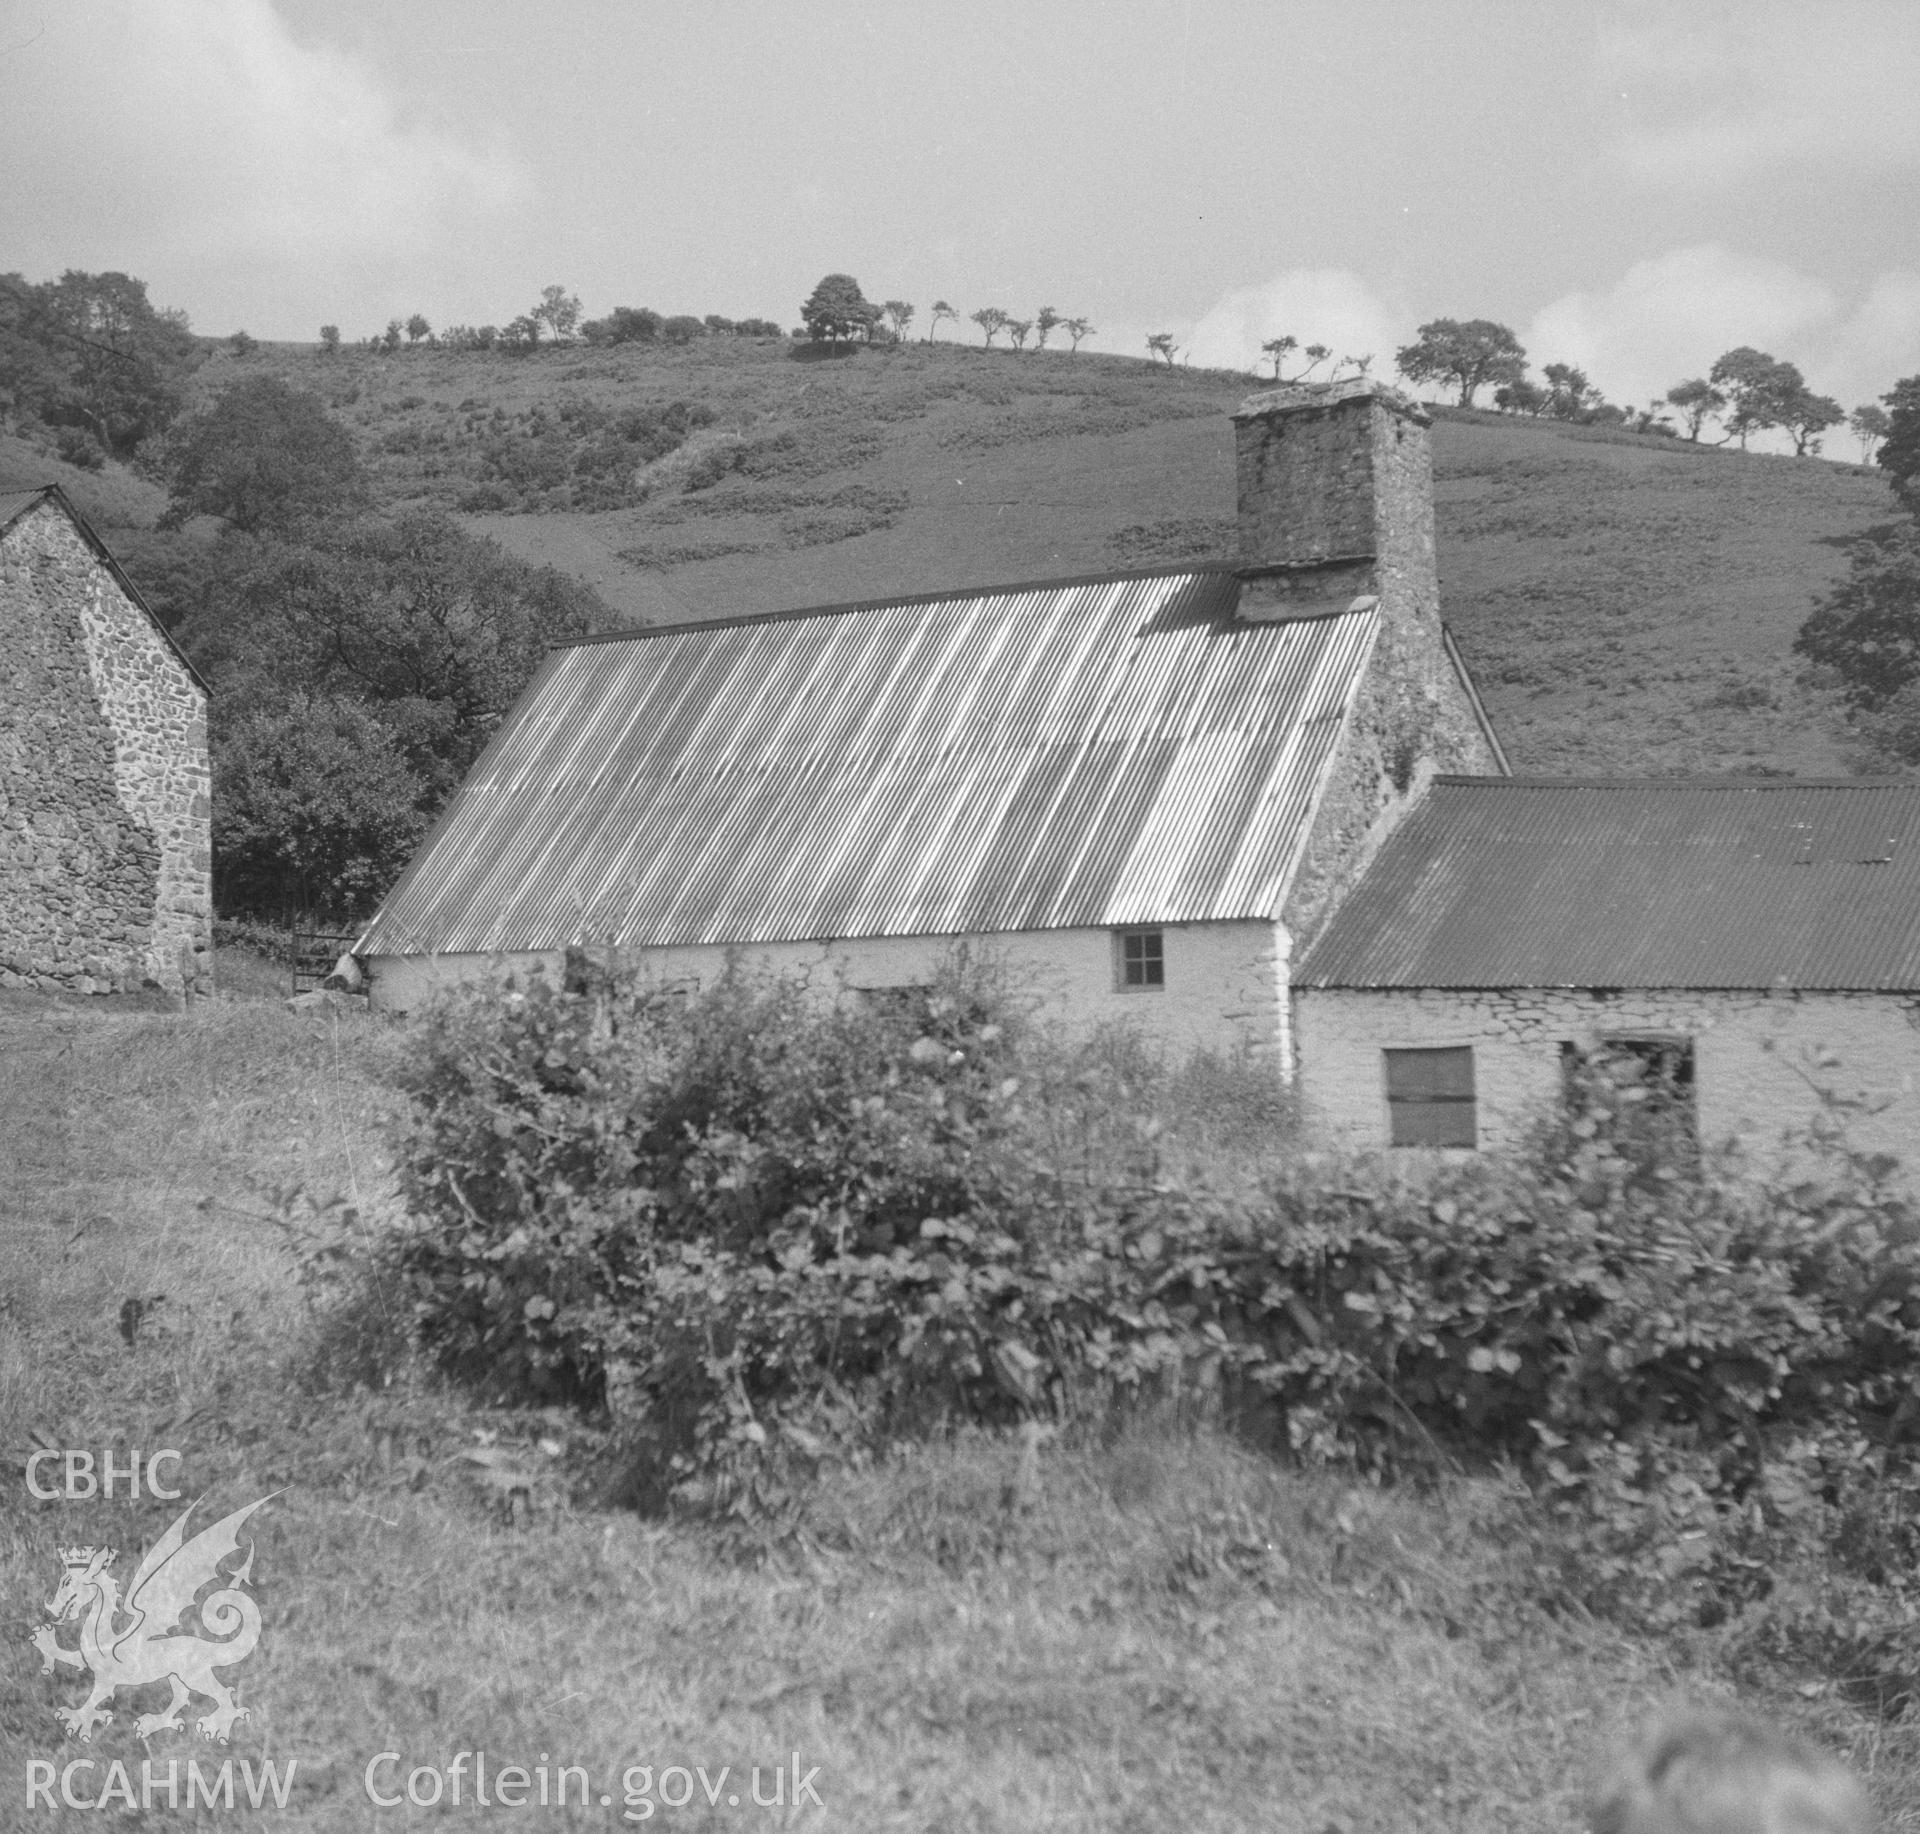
x=1627, y=604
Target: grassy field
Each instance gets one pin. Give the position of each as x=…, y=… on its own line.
x=1628, y=604
x=1158, y=1631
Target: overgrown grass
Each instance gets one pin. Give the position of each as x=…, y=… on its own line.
x=978, y=1633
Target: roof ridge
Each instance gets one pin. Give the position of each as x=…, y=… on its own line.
x=739, y=620
x=1704, y=781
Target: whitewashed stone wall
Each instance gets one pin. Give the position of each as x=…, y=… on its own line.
x=1225, y=982
x=105, y=812
x=1758, y=1058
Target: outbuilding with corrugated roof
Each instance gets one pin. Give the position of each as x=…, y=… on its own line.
x=1746, y=951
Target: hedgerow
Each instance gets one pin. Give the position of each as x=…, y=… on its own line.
x=771, y=1233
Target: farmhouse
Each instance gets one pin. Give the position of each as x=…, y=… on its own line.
x=105, y=851
x=1143, y=794
x=1751, y=945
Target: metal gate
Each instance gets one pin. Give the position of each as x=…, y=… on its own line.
x=314, y=953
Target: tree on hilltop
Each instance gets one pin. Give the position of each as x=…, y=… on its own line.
x=624, y=325
x=1756, y=387
x=1806, y=416
x=1465, y=353
x=1764, y=392
x=837, y=311
x=941, y=310
x=991, y=320
x=1044, y=322
x=330, y=339
x=900, y=315
x=418, y=328
x=1077, y=329
x=1696, y=398
x=1161, y=344
x=1870, y=425
x=558, y=310
x=1521, y=397
x=1570, y=396
x=1279, y=349
x=1018, y=331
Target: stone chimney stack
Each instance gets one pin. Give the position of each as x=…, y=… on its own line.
x=1336, y=514
x=1336, y=504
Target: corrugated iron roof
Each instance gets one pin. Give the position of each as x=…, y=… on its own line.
x=1094, y=752
x=1621, y=882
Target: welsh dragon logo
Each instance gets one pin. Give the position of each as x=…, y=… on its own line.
x=131, y=1643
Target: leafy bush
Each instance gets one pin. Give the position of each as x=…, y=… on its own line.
x=316, y=806
x=78, y=446
x=832, y=445
x=578, y=455
x=856, y=509
x=1868, y=630
x=775, y=1233
x=265, y=456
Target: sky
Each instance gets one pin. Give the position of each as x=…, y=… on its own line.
x=1632, y=187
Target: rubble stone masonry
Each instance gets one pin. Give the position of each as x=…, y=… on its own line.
x=1336, y=505
x=105, y=830
x=1767, y=1064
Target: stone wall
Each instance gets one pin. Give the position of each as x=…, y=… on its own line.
x=1759, y=1058
x=105, y=841
x=1223, y=992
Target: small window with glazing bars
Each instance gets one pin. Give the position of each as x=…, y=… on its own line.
x=1143, y=961
x=1430, y=1100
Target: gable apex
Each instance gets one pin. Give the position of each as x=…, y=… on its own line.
x=16, y=506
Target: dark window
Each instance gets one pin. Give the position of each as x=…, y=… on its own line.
x=1142, y=961
x=909, y=1000
x=1665, y=1064
x=1430, y=1097
x=1646, y=1085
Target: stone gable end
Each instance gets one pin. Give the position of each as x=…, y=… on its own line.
x=105, y=811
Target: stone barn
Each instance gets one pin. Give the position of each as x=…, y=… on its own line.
x=105, y=844
x=1751, y=945
x=1142, y=794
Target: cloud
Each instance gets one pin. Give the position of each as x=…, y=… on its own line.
x=1766, y=83
x=199, y=144
x=1669, y=318
x=1330, y=306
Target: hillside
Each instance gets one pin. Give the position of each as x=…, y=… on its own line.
x=1627, y=604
